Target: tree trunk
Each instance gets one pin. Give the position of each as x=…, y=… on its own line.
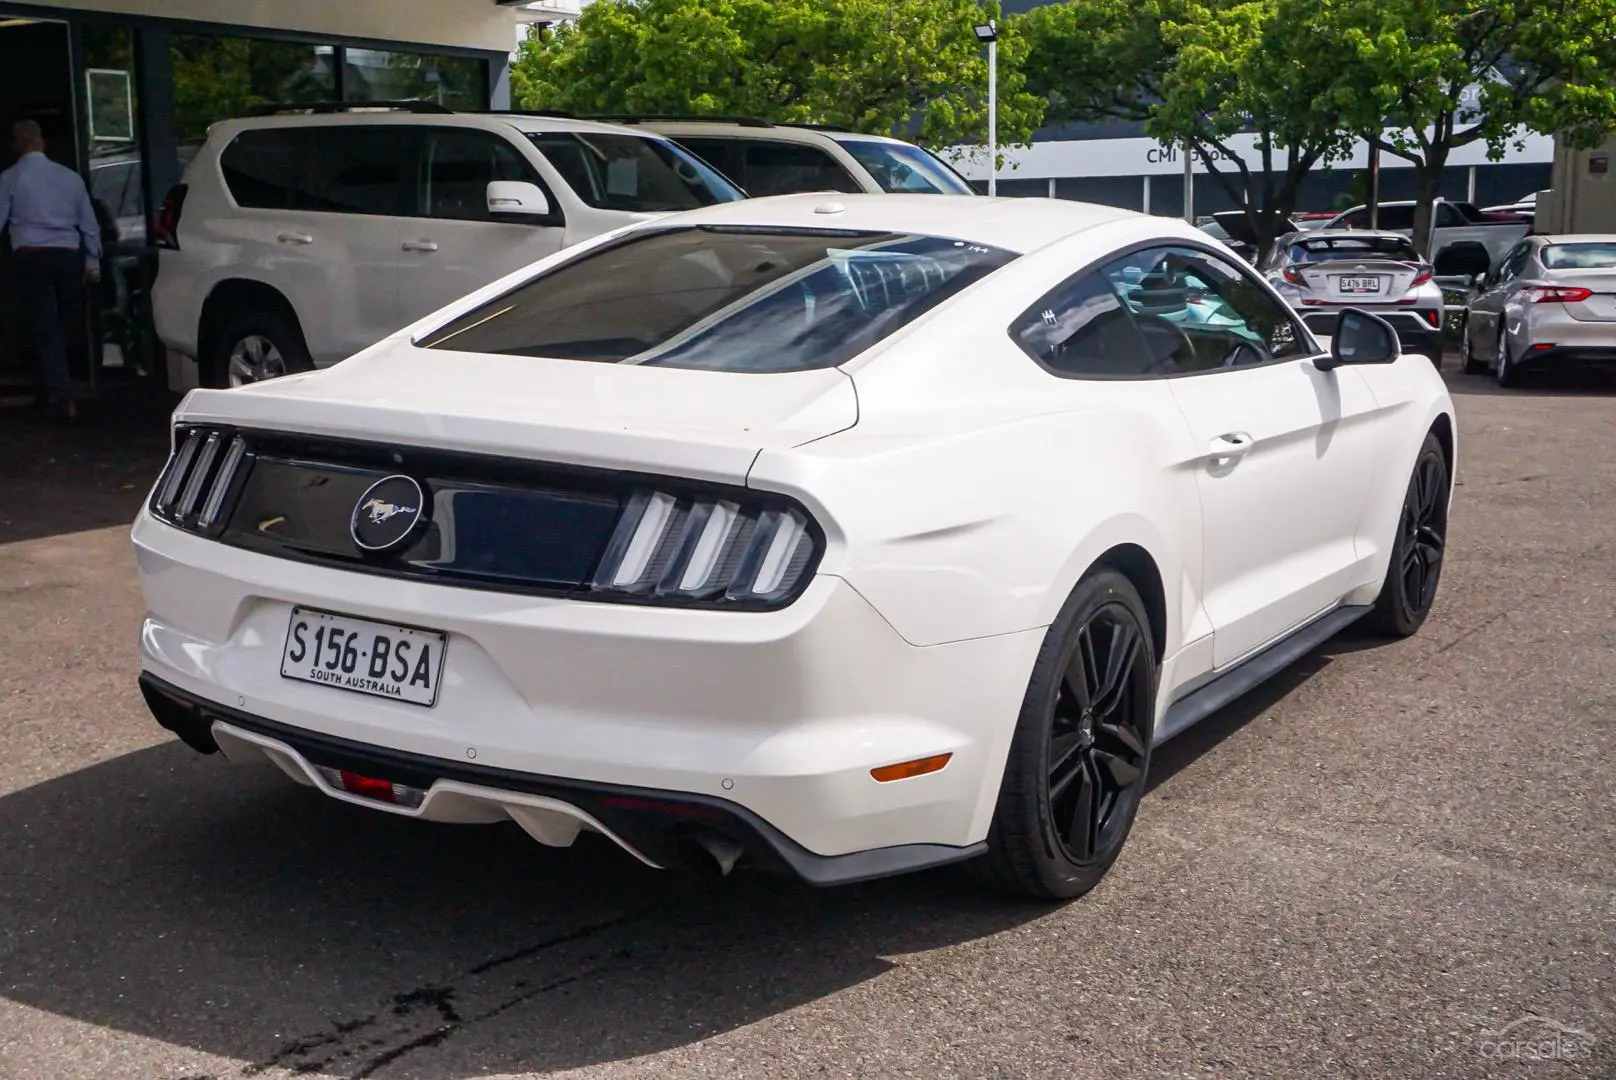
x=1427, y=183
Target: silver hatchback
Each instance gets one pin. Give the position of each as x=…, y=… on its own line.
x=1321, y=272
x=1550, y=303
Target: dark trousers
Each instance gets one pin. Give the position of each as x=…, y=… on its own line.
x=50, y=284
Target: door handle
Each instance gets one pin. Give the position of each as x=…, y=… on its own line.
x=419, y=245
x=1231, y=444
x=294, y=238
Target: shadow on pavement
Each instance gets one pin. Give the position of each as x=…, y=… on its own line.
x=224, y=909
x=57, y=479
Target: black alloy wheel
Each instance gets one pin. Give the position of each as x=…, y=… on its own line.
x=1097, y=749
x=1411, y=581
x=1080, y=754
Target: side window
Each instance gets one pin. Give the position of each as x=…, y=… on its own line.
x=1511, y=264
x=1200, y=313
x=722, y=154
x=1395, y=217
x=1448, y=216
x=261, y=169
x=1358, y=219
x=357, y=170
x=1081, y=328
x=459, y=166
x=781, y=168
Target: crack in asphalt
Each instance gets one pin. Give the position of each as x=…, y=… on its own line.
x=395, y=1032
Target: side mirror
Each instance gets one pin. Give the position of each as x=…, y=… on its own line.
x=1361, y=338
x=517, y=197
x=1479, y=281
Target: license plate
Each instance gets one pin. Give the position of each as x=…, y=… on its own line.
x=1359, y=284
x=395, y=662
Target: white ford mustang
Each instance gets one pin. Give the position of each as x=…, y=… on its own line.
x=833, y=535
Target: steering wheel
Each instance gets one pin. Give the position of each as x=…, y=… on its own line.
x=1158, y=327
x=1244, y=353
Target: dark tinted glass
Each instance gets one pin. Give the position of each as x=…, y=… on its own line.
x=726, y=299
x=631, y=173
x=1082, y=328
x=458, y=169
x=1201, y=313
x=360, y=170
x=262, y=169
x=1326, y=248
x=779, y=168
x=722, y=154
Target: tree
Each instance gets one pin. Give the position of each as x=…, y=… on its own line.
x=874, y=66
x=1424, y=78
x=1196, y=73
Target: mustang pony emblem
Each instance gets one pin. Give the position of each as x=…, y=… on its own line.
x=381, y=510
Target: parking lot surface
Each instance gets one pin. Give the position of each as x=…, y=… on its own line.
x=1393, y=861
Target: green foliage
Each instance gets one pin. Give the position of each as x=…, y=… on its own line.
x=1196, y=72
x=864, y=65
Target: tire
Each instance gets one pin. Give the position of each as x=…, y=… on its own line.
x=1415, y=568
x=1508, y=374
x=274, y=335
x=1469, y=362
x=1071, y=766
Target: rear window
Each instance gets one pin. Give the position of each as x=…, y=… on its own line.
x=1581, y=256
x=724, y=298
x=900, y=167
x=632, y=173
x=1328, y=248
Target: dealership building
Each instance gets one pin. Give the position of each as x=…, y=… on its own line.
x=125, y=91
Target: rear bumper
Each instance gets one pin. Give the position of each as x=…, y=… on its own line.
x=1568, y=358
x=661, y=828
x=1414, y=332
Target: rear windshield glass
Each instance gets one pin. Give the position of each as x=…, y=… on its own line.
x=725, y=298
x=900, y=167
x=1583, y=256
x=628, y=172
x=1326, y=249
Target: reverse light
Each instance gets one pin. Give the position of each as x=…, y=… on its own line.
x=720, y=550
x=1555, y=294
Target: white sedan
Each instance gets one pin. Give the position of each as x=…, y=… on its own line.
x=832, y=535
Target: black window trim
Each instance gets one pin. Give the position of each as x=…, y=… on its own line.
x=556, y=219
x=1093, y=267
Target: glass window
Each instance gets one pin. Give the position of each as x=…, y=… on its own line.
x=459, y=167
x=782, y=168
x=457, y=82
x=725, y=298
x=632, y=173
x=900, y=167
x=1327, y=248
x=116, y=188
x=216, y=78
x=1082, y=328
x=722, y=154
x=261, y=169
x=1200, y=313
x=342, y=170
x=1586, y=255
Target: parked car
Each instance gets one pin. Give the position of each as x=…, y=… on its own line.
x=297, y=240
x=1452, y=223
x=836, y=535
x=1320, y=273
x=1549, y=304
x=1525, y=206
x=1233, y=228
x=784, y=159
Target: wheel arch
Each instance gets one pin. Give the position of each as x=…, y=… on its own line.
x=1139, y=567
x=234, y=294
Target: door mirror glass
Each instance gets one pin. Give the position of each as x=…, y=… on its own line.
x=1362, y=338
x=517, y=197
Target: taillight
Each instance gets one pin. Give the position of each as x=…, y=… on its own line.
x=1422, y=274
x=715, y=550
x=1294, y=276
x=1555, y=294
x=202, y=475
x=166, y=229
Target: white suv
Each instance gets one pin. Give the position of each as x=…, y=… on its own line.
x=785, y=159
x=297, y=240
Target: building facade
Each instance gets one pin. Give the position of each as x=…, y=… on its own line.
x=125, y=91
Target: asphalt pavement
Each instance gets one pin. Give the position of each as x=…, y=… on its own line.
x=1397, y=860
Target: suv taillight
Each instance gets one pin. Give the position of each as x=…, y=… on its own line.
x=166, y=229
x=1422, y=274
x=1294, y=276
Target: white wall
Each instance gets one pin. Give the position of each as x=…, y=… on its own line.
x=471, y=24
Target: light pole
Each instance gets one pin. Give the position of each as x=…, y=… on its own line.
x=988, y=32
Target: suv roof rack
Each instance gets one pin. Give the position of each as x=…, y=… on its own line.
x=328, y=107
x=712, y=118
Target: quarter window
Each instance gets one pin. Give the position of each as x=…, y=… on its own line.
x=782, y=168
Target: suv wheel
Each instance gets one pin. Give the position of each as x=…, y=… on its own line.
x=253, y=346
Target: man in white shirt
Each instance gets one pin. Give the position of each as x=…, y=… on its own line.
x=57, y=241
